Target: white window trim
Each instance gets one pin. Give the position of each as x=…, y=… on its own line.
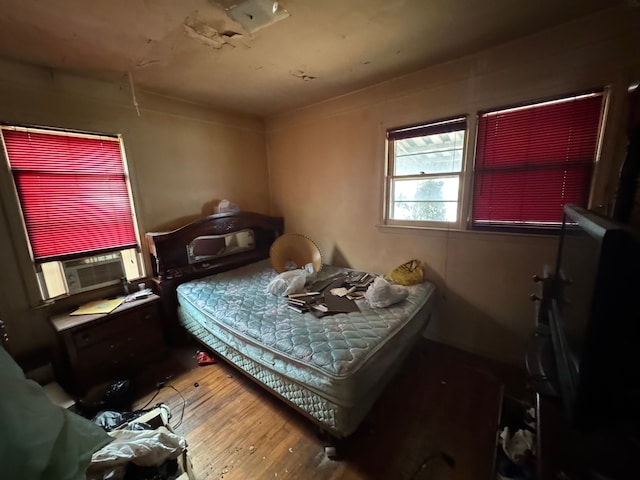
x=462, y=175
x=604, y=173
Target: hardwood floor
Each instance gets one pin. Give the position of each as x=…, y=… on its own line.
x=436, y=420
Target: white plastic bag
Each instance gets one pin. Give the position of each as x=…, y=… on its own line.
x=142, y=447
x=292, y=281
x=227, y=206
x=519, y=447
x=381, y=293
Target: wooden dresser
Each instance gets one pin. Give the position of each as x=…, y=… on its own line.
x=113, y=346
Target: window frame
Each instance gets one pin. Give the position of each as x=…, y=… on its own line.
x=598, y=196
x=17, y=224
x=443, y=125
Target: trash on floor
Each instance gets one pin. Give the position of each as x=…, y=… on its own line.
x=205, y=359
x=154, y=452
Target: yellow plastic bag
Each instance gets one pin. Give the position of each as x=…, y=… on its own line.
x=408, y=273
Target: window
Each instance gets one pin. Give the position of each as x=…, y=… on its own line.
x=532, y=160
x=74, y=193
x=424, y=172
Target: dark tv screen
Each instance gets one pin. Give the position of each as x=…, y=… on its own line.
x=594, y=320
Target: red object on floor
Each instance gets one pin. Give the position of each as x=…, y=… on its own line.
x=205, y=359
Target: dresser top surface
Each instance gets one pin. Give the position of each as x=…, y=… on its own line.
x=66, y=321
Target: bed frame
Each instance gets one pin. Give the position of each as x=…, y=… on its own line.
x=172, y=264
x=182, y=255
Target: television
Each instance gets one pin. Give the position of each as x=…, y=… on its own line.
x=594, y=321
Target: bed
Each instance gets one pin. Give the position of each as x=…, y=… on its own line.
x=330, y=368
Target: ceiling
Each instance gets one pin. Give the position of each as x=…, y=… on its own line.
x=195, y=50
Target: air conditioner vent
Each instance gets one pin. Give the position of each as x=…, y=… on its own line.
x=93, y=272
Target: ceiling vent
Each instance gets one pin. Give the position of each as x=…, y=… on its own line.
x=254, y=15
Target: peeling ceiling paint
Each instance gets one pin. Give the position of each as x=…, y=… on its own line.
x=300, y=74
x=194, y=49
x=207, y=34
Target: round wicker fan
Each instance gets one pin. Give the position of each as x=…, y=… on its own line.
x=292, y=250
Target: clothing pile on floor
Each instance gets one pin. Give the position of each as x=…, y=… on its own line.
x=143, y=448
x=516, y=455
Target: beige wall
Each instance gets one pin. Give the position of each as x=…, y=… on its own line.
x=325, y=170
x=326, y=166
x=183, y=158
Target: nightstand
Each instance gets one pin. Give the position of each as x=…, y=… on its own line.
x=112, y=346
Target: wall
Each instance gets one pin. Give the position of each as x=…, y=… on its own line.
x=326, y=166
x=182, y=158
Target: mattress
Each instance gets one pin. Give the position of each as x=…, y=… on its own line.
x=331, y=368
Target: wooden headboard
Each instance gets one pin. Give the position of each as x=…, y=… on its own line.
x=172, y=253
x=198, y=249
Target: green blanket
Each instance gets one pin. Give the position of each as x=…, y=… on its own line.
x=38, y=439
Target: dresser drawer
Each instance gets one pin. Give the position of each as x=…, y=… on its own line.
x=116, y=327
x=120, y=353
x=103, y=347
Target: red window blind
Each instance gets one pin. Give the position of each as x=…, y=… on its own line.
x=73, y=192
x=531, y=161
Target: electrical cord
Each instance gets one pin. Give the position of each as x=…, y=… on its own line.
x=448, y=459
x=162, y=385
x=184, y=405
x=152, y=398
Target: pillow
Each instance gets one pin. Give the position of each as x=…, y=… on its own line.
x=41, y=440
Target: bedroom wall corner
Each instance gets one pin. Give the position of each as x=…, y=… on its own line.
x=326, y=164
x=183, y=158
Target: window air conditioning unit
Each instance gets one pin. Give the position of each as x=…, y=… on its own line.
x=93, y=272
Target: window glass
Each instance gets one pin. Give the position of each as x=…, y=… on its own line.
x=440, y=153
x=435, y=199
x=425, y=162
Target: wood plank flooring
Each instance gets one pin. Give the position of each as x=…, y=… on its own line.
x=436, y=420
